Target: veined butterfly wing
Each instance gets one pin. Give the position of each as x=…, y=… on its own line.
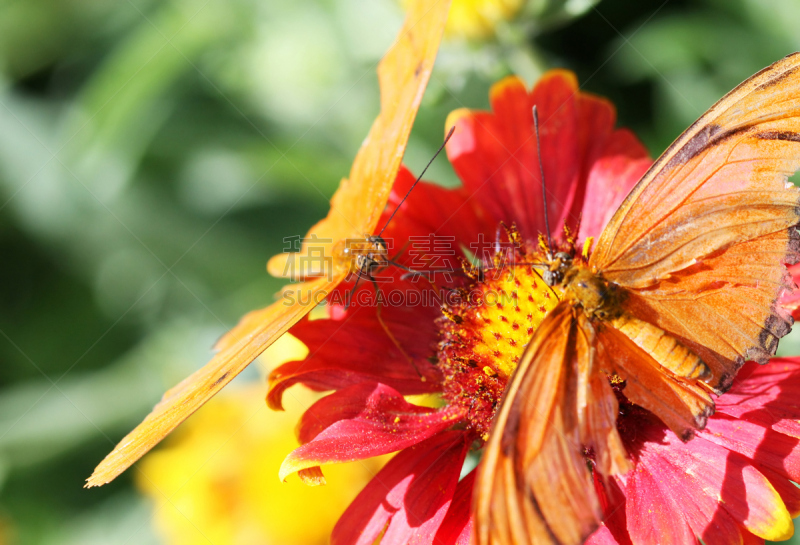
x=180, y=401
x=701, y=241
x=355, y=209
x=533, y=485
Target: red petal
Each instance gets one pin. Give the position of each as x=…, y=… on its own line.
x=430, y=210
x=699, y=509
x=766, y=394
x=495, y=154
x=456, y=528
x=612, y=501
x=364, y=400
x=555, y=96
x=762, y=445
x=789, y=492
x=385, y=423
x=408, y=498
x=602, y=536
x=477, y=155
x=613, y=174
x=750, y=539
x=496, y=158
x=596, y=119
x=653, y=515
x=721, y=489
x=357, y=349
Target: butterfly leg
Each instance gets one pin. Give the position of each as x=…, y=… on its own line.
x=425, y=274
x=379, y=307
x=402, y=249
x=352, y=292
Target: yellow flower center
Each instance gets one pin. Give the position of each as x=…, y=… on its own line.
x=484, y=333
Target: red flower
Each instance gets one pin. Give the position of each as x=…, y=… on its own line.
x=452, y=343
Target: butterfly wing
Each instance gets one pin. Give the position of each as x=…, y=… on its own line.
x=682, y=404
x=701, y=241
x=355, y=209
x=403, y=75
x=190, y=394
x=533, y=484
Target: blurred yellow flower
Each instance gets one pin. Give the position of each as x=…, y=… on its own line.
x=217, y=480
x=478, y=18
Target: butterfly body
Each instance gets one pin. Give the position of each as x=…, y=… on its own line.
x=588, y=290
x=602, y=302
x=364, y=256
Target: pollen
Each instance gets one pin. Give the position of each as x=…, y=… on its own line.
x=484, y=333
x=500, y=331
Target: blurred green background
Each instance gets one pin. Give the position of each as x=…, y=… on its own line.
x=154, y=154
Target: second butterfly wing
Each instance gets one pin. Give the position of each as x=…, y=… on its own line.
x=360, y=200
x=355, y=209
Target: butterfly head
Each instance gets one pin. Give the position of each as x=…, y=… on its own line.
x=558, y=258
x=371, y=255
x=557, y=267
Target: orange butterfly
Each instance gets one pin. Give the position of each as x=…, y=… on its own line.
x=355, y=210
x=680, y=291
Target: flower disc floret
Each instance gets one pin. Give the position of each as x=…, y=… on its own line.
x=483, y=336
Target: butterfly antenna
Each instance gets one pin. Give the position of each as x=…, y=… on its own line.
x=446, y=138
x=541, y=172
